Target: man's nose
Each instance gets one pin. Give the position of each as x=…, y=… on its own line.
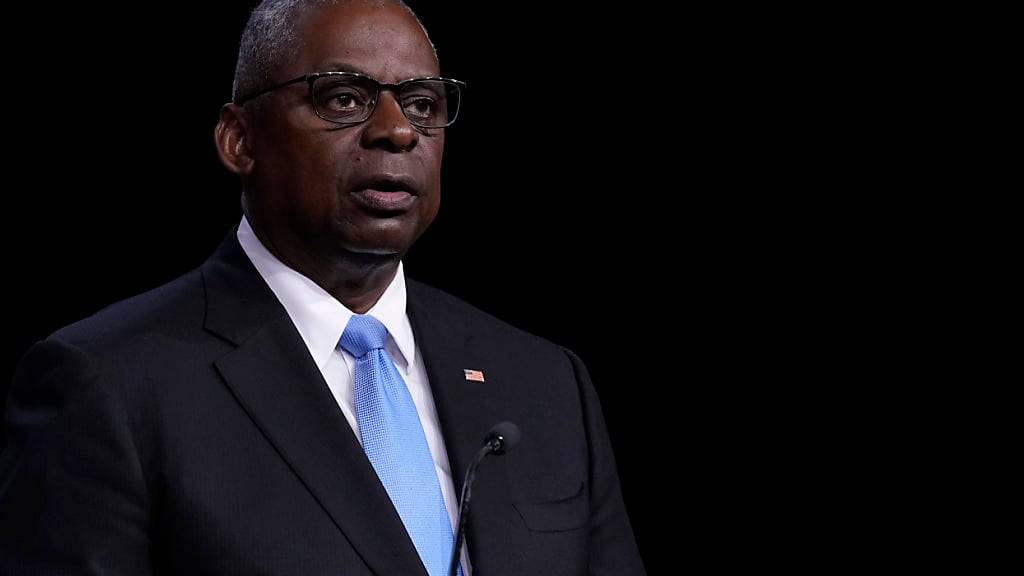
x=388, y=127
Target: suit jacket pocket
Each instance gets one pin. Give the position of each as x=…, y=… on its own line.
x=556, y=515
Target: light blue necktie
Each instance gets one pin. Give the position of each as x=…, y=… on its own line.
x=394, y=442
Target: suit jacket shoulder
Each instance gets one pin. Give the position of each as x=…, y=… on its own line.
x=174, y=310
x=462, y=316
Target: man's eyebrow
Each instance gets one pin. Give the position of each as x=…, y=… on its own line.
x=340, y=67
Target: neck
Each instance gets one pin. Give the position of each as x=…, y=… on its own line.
x=356, y=279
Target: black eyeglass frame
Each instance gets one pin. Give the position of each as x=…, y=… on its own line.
x=396, y=89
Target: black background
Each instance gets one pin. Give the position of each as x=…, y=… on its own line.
x=570, y=199
x=661, y=191
x=718, y=208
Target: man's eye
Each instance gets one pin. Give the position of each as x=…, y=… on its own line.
x=344, y=101
x=341, y=100
x=421, y=107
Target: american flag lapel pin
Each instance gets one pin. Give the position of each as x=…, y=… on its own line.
x=474, y=375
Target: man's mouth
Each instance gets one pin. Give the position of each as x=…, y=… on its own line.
x=386, y=193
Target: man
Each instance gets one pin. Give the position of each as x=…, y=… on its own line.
x=295, y=405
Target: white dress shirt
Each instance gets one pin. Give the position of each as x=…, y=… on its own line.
x=320, y=319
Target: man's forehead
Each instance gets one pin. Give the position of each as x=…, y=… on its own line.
x=384, y=41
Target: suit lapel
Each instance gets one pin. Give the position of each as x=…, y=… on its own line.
x=466, y=409
x=279, y=386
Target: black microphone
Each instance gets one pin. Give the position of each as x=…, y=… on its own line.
x=503, y=437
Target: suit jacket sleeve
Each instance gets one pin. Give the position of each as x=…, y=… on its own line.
x=612, y=547
x=73, y=499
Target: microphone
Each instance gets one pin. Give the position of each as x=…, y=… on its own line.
x=503, y=437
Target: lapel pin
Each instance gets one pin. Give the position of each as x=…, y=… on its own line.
x=474, y=375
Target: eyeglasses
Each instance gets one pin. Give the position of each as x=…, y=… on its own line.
x=347, y=98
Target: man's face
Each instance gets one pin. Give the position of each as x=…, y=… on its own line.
x=369, y=188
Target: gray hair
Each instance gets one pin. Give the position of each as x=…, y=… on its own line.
x=270, y=40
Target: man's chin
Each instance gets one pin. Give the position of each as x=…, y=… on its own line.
x=364, y=251
x=369, y=256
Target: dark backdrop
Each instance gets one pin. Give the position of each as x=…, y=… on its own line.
x=570, y=198
x=705, y=202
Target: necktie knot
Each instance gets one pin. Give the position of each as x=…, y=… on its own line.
x=362, y=334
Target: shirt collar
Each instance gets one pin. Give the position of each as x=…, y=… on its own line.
x=318, y=316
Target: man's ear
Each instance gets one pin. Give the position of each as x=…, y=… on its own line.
x=231, y=137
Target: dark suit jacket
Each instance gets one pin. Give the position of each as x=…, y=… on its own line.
x=188, y=431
